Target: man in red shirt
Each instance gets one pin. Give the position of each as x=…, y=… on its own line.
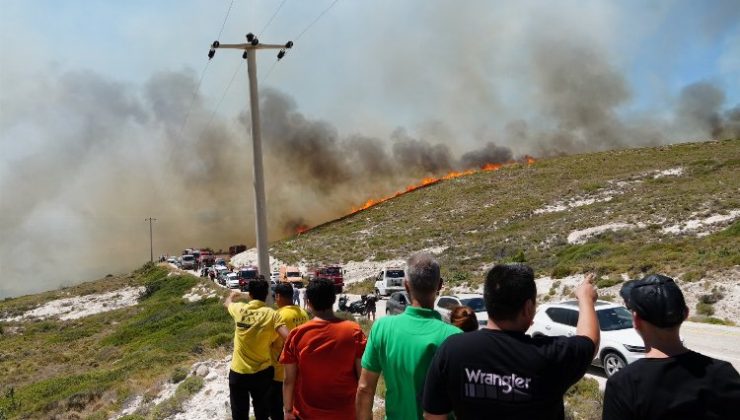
x=322, y=361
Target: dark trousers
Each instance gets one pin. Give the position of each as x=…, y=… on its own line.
x=276, y=400
x=243, y=386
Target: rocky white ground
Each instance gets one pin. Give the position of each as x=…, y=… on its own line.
x=81, y=306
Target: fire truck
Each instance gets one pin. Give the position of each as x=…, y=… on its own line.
x=331, y=272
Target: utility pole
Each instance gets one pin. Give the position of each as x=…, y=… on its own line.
x=250, y=54
x=151, y=243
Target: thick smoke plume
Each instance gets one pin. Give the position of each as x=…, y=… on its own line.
x=86, y=159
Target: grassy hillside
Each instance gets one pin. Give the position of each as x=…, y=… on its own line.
x=491, y=217
x=89, y=366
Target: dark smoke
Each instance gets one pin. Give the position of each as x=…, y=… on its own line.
x=700, y=106
x=488, y=154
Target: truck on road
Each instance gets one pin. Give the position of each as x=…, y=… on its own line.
x=331, y=272
x=291, y=275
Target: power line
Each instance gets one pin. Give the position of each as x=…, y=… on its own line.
x=225, y=18
x=316, y=20
x=260, y=33
x=269, y=72
x=272, y=67
x=192, y=98
x=233, y=76
x=202, y=74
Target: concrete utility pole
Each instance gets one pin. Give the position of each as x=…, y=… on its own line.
x=151, y=243
x=250, y=54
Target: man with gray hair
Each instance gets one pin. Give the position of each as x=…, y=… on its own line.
x=401, y=347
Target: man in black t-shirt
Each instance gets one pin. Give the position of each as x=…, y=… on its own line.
x=671, y=382
x=498, y=371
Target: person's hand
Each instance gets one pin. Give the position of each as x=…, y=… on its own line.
x=586, y=291
x=289, y=416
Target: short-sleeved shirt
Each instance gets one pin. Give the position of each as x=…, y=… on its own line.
x=401, y=347
x=292, y=316
x=325, y=352
x=255, y=326
x=504, y=373
x=687, y=386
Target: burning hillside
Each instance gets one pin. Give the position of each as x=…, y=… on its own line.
x=425, y=182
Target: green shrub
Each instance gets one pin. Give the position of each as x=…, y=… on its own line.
x=704, y=309
x=561, y=271
x=713, y=297
x=179, y=374
x=711, y=320
x=220, y=340
x=607, y=282
x=584, y=400
x=692, y=275
x=173, y=405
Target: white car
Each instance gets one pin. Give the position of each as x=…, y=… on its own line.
x=275, y=276
x=444, y=305
x=232, y=280
x=389, y=280
x=620, y=344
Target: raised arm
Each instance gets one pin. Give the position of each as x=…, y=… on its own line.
x=230, y=299
x=588, y=323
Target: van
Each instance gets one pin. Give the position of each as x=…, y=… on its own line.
x=187, y=262
x=291, y=275
x=389, y=280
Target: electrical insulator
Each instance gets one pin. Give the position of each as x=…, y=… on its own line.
x=215, y=44
x=244, y=56
x=289, y=44
x=211, y=53
x=281, y=54
x=250, y=37
x=255, y=41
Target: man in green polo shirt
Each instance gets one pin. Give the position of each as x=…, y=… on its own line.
x=401, y=347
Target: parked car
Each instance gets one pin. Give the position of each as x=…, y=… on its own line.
x=172, y=260
x=246, y=274
x=231, y=280
x=397, y=303
x=620, y=344
x=389, y=280
x=444, y=305
x=221, y=272
x=275, y=276
x=187, y=262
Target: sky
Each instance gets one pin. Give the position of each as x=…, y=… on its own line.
x=100, y=119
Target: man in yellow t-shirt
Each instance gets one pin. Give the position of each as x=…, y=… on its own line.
x=257, y=327
x=292, y=316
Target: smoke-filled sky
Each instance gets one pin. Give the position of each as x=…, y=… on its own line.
x=100, y=126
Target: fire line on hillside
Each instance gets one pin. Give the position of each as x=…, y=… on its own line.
x=489, y=167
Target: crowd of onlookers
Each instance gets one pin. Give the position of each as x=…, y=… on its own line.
x=292, y=365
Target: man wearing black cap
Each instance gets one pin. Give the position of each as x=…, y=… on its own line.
x=671, y=382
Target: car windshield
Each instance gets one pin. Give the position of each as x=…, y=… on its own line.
x=187, y=257
x=248, y=274
x=293, y=274
x=476, y=303
x=332, y=271
x=614, y=319
x=394, y=273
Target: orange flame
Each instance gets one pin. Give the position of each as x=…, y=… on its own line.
x=429, y=181
x=301, y=229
